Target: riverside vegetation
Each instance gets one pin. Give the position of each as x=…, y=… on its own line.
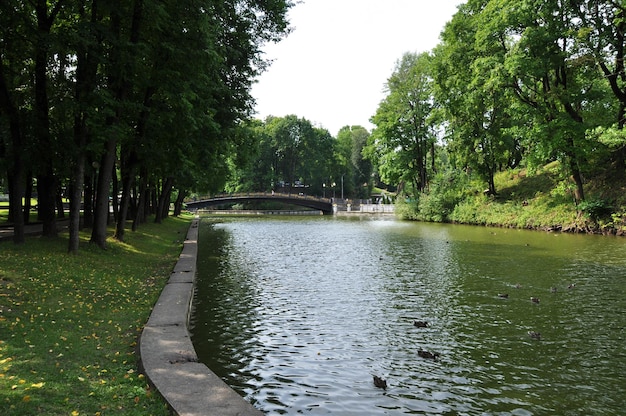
x=69, y=323
x=540, y=200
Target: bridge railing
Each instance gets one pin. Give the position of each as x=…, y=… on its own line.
x=259, y=195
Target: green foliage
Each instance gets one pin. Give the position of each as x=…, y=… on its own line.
x=290, y=154
x=351, y=140
x=595, y=209
x=153, y=90
x=470, y=85
x=404, y=137
x=611, y=137
x=446, y=191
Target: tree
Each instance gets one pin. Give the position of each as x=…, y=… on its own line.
x=351, y=140
x=143, y=91
x=476, y=104
x=281, y=153
x=404, y=137
x=541, y=66
x=601, y=33
x=301, y=153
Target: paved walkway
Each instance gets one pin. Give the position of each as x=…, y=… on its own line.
x=167, y=355
x=6, y=232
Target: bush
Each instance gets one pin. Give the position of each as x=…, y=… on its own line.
x=595, y=209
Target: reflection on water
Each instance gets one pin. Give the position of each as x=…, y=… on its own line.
x=299, y=314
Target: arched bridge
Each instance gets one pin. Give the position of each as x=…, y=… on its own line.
x=323, y=204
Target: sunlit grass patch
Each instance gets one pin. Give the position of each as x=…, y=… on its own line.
x=69, y=323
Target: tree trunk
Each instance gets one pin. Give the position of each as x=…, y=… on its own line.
x=579, y=193
x=15, y=201
x=75, y=191
x=491, y=182
x=164, y=200
x=28, y=196
x=178, y=205
x=127, y=183
x=88, y=197
x=46, y=180
x=121, y=86
x=143, y=198
x=153, y=202
x=15, y=153
x=85, y=84
x=59, y=204
x=115, y=200
x=101, y=209
x=46, y=202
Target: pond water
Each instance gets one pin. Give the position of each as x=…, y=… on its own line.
x=299, y=314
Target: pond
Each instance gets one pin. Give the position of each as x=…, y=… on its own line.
x=299, y=314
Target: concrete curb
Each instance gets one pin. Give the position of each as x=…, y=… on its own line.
x=168, y=357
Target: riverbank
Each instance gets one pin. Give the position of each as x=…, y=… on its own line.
x=69, y=323
x=540, y=200
x=168, y=357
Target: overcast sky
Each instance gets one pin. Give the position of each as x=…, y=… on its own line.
x=332, y=68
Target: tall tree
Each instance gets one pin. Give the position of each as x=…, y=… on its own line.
x=545, y=73
x=404, y=136
x=126, y=20
x=601, y=33
x=351, y=141
x=16, y=57
x=44, y=146
x=475, y=101
x=87, y=43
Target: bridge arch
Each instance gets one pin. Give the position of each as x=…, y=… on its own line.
x=323, y=204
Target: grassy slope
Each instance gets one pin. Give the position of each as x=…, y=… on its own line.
x=542, y=200
x=69, y=324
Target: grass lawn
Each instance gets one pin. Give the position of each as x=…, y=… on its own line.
x=69, y=323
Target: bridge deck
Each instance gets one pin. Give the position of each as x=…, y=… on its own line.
x=323, y=204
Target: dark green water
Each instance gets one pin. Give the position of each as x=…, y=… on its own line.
x=298, y=314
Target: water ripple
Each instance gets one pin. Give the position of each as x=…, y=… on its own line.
x=297, y=315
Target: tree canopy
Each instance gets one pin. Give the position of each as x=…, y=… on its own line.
x=512, y=82
x=126, y=106
x=131, y=100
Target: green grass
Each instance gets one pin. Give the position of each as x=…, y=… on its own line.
x=4, y=211
x=69, y=323
x=540, y=200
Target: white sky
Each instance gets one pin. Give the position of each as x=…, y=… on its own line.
x=332, y=68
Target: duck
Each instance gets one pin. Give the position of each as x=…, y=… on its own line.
x=420, y=324
x=428, y=354
x=534, y=335
x=571, y=286
x=534, y=299
x=379, y=382
x=503, y=295
x=553, y=289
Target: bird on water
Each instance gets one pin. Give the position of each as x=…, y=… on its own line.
x=534, y=335
x=381, y=383
x=428, y=354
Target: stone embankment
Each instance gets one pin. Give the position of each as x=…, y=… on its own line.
x=168, y=357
